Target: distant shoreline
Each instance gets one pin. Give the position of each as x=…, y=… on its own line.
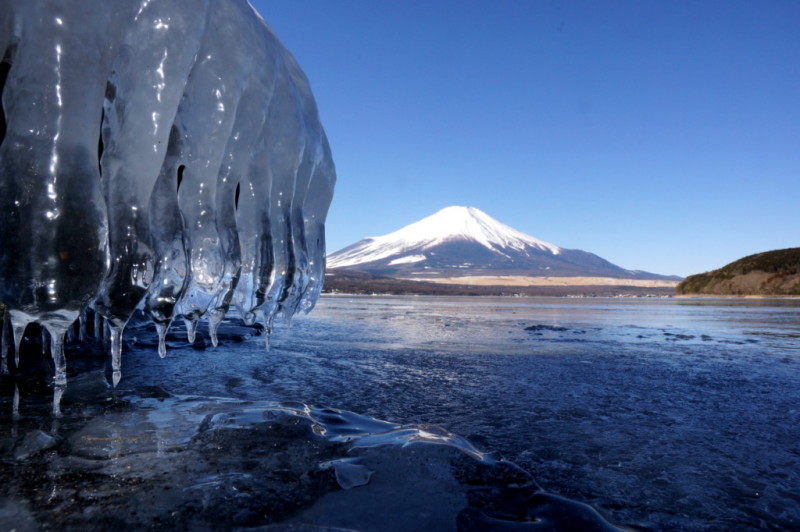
x=357, y=283
x=527, y=280
x=560, y=296
x=733, y=296
x=509, y=296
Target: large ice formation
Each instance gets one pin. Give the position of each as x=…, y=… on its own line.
x=164, y=155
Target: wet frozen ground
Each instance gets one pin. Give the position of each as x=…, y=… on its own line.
x=662, y=414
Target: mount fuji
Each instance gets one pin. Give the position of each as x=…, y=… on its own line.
x=464, y=241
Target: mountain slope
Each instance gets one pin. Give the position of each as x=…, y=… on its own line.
x=775, y=273
x=459, y=241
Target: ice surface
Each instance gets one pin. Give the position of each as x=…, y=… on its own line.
x=349, y=473
x=663, y=414
x=34, y=442
x=186, y=462
x=157, y=154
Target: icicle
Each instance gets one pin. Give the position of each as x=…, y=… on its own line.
x=70, y=335
x=98, y=326
x=191, y=328
x=252, y=122
x=214, y=319
x=249, y=318
x=106, y=335
x=116, y=354
x=15, y=406
x=19, y=322
x=57, y=352
x=45, y=338
x=57, y=334
x=162, y=328
x=82, y=333
x=4, y=345
x=267, y=320
x=58, y=392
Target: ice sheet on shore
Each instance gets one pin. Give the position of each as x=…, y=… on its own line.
x=215, y=462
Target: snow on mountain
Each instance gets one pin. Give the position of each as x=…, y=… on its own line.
x=449, y=224
x=458, y=241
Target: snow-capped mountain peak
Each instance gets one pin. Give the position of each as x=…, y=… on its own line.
x=451, y=224
x=462, y=242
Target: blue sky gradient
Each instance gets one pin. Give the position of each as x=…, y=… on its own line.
x=662, y=136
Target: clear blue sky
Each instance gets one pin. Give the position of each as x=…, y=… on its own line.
x=661, y=135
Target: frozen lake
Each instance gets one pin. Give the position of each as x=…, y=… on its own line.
x=664, y=414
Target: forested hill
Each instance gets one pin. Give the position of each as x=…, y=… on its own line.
x=772, y=273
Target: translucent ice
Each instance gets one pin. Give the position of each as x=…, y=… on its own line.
x=156, y=154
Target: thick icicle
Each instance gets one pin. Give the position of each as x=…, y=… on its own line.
x=45, y=334
x=161, y=329
x=57, y=352
x=214, y=318
x=147, y=79
x=249, y=120
x=315, y=210
x=191, y=329
x=158, y=154
x=166, y=225
x=99, y=326
x=15, y=405
x=58, y=392
x=53, y=219
x=209, y=106
x=116, y=355
x=57, y=331
x=19, y=322
x=107, y=335
x=5, y=344
x=70, y=334
x=266, y=321
x=83, y=336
